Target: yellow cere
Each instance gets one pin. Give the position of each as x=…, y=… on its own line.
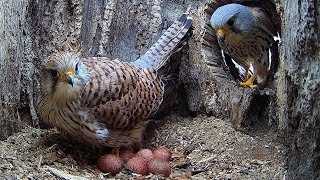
x=70, y=72
x=220, y=31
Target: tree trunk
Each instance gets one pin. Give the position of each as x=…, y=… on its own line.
x=302, y=87
x=16, y=66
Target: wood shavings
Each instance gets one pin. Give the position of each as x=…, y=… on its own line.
x=64, y=175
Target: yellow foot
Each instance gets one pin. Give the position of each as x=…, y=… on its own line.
x=115, y=151
x=248, y=84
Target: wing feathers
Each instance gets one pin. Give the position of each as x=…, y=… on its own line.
x=264, y=21
x=119, y=94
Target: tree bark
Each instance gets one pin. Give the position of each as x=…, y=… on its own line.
x=301, y=87
x=16, y=66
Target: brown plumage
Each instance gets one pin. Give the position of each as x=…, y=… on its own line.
x=105, y=102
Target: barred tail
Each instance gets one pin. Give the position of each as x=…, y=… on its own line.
x=159, y=53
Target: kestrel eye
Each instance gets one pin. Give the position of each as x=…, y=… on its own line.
x=54, y=73
x=77, y=66
x=230, y=22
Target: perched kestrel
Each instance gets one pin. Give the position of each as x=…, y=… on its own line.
x=105, y=102
x=246, y=34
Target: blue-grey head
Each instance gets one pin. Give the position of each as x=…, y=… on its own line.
x=232, y=18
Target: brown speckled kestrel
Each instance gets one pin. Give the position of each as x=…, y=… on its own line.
x=246, y=34
x=105, y=102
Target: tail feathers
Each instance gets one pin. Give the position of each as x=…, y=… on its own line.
x=159, y=53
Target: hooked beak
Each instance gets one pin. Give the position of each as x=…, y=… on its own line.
x=69, y=77
x=220, y=34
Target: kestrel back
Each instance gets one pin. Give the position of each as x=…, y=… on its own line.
x=105, y=102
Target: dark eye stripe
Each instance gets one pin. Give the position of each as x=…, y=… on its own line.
x=77, y=66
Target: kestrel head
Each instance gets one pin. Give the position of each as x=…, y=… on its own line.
x=232, y=18
x=63, y=76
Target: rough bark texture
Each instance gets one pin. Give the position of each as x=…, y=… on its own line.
x=302, y=81
x=30, y=30
x=16, y=66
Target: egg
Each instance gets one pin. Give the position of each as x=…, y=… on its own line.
x=138, y=164
x=145, y=153
x=159, y=166
x=126, y=154
x=162, y=153
x=110, y=163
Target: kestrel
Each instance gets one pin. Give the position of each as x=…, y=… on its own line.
x=246, y=34
x=103, y=102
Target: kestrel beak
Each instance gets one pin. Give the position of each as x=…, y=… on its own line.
x=220, y=34
x=68, y=76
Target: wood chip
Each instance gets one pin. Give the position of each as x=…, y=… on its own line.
x=64, y=175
